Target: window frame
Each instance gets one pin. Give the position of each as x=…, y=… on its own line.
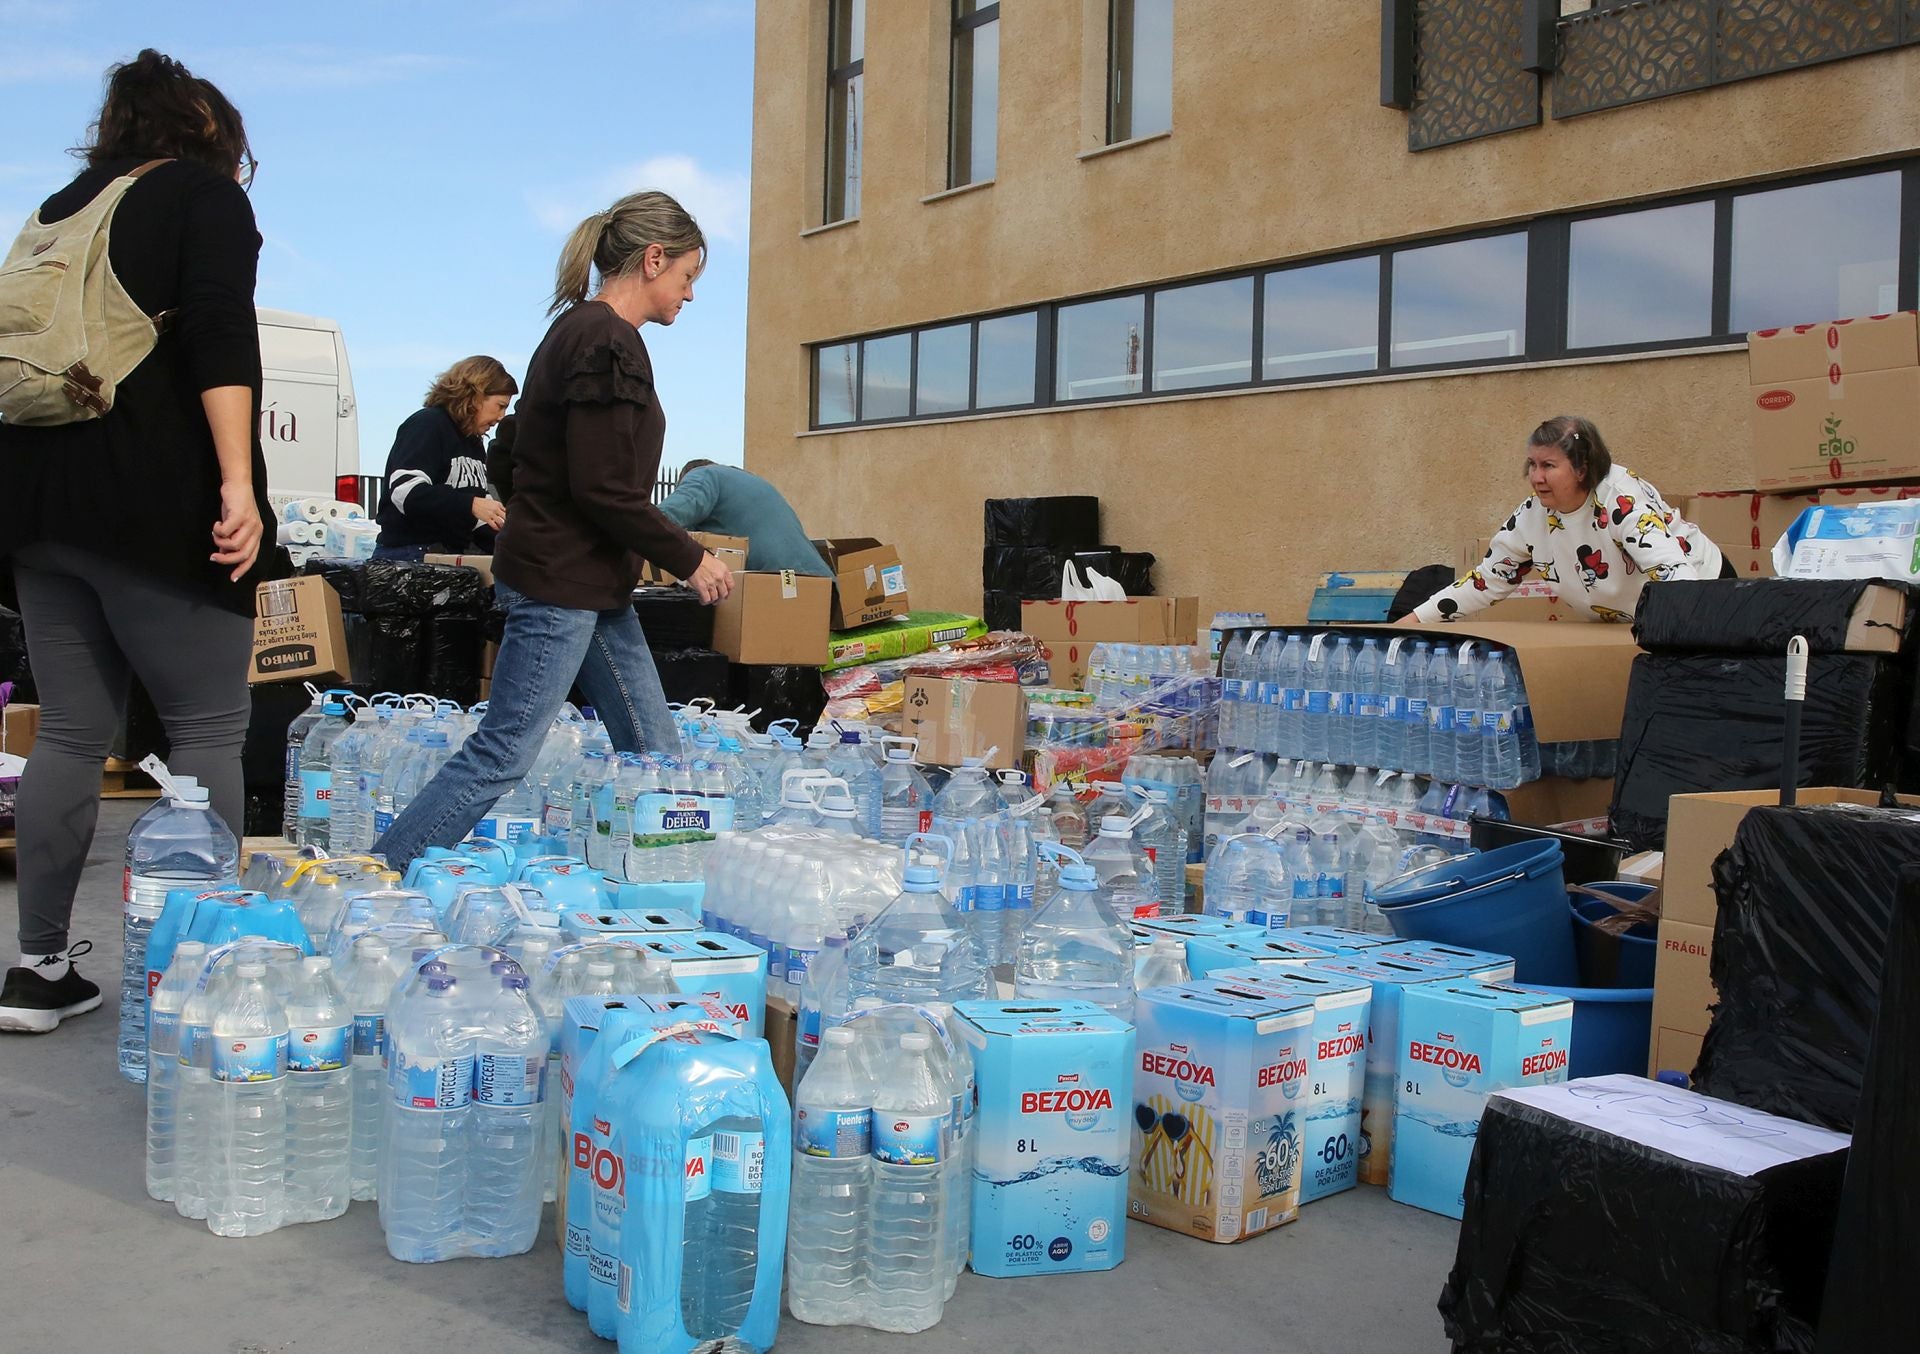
x=839, y=85
x=968, y=24
x=1121, y=72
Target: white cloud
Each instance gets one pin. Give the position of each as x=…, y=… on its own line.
x=718, y=200
x=311, y=66
x=20, y=66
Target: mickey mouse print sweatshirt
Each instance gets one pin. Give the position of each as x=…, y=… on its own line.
x=1596, y=559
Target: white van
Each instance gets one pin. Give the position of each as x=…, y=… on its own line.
x=309, y=423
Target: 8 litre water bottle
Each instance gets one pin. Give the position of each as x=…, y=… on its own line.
x=319, y=1095
x=1469, y=766
x=1341, y=705
x=912, y=1132
x=316, y=774
x=918, y=949
x=247, y=1138
x=827, y=1281
x=506, y=1172
x=423, y=1166
x=369, y=984
x=1443, y=754
x=179, y=843
x=1369, y=697
x=906, y=801
x=297, y=733
x=163, y=1065
x=1078, y=947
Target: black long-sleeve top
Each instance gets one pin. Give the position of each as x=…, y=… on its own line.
x=142, y=484
x=434, y=473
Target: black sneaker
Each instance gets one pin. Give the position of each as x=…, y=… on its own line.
x=30, y=1004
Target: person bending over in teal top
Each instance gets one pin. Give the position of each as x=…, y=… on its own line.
x=729, y=501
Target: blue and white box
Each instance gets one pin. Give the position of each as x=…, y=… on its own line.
x=1197, y=924
x=683, y=895
x=614, y=923
x=1206, y=955
x=719, y=968
x=1337, y=1069
x=1052, y=1136
x=1459, y=1043
x=1337, y=939
x=1480, y=965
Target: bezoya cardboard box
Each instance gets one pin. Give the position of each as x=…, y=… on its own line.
x=1835, y=402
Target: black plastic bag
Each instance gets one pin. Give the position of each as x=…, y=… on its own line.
x=454, y=645
x=13, y=658
x=1805, y=908
x=1001, y=610
x=687, y=674
x=1696, y=723
x=673, y=618
x=1749, y=615
x=1132, y=570
x=1578, y=1241
x=347, y=578
x=1068, y=522
x=398, y=588
x=397, y=657
x=777, y=692
x=1031, y=571
x=1875, y=1261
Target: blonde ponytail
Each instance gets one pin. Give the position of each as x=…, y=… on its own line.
x=613, y=242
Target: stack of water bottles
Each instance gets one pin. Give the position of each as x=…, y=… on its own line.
x=1120, y=675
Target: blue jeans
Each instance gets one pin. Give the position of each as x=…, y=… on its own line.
x=542, y=652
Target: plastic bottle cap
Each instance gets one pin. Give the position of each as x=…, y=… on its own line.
x=1113, y=825
x=1078, y=877
x=316, y=963
x=190, y=947
x=251, y=968
x=839, y=1036
x=600, y=968
x=915, y=1042
x=921, y=879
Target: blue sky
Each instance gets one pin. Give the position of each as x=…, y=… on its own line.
x=422, y=162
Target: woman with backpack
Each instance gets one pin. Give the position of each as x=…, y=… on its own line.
x=132, y=518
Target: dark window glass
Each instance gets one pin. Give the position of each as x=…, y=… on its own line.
x=846, y=66
x=1203, y=335
x=1641, y=277
x=886, y=369
x=1006, y=375
x=1140, y=72
x=1822, y=251
x=835, y=378
x=976, y=92
x=940, y=379
x=1460, y=302
x=1097, y=353
x=1322, y=320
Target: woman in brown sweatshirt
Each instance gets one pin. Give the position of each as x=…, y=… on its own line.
x=586, y=454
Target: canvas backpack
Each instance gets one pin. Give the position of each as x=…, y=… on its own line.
x=69, y=333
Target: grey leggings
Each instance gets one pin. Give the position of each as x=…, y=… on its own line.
x=91, y=624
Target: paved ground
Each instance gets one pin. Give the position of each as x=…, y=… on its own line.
x=92, y=1264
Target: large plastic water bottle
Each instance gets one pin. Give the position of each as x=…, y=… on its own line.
x=824, y=1001
x=297, y=733
x=1125, y=873
x=1078, y=947
x=179, y=843
x=1259, y=725
x=1443, y=755
x=1340, y=705
x=1390, y=730
x=1233, y=699
x=436, y=747
x=723, y=1237
x=316, y=773
x=1370, y=704
x=369, y=984
x=827, y=1281
x=506, y=1166
x=1318, y=680
x=912, y=1128
x=918, y=949
x=954, y=1064
x=1164, y=965
x=319, y=1095
x=846, y=761
x=1303, y=879
x=350, y=827
x=1469, y=764
x=1164, y=839
x=1290, y=695
x=193, y=1093
x=247, y=1138
x=163, y=1065
x=592, y=787
x=1419, y=730
x=423, y=1161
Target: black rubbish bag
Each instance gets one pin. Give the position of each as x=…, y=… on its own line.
x=1754, y=615
x=13, y=658
x=346, y=577
x=397, y=588
x=1001, y=610
x=1805, y=908
x=673, y=619
x=1068, y=522
x=1031, y=571
x=687, y=674
x=1582, y=1239
x=1133, y=570
x=397, y=657
x=1710, y=722
x=1876, y=1264
x=454, y=645
x=777, y=692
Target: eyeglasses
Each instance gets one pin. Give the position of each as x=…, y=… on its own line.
x=248, y=167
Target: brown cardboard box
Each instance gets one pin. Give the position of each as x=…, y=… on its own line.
x=1809, y=351
x=1750, y=563
x=1700, y=827
x=1071, y=629
x=1834, y=402
x=480, y=564
x=1743, y=520
x=955, y=720
x=297, y=632
x=19, y=727
x=1683, y=996
x=731, y=550
x=870, y=585
x=774, y=618
x=783, y=1029
x=1532, y=602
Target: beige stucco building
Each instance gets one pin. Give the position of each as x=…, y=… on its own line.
x=1218, y=430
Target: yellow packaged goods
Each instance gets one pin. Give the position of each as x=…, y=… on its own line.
x=298, y=632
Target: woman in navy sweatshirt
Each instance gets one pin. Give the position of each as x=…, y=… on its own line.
x=436, y=499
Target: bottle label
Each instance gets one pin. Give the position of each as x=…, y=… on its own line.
x=798, y=962
x=1440, y=718
x=507, y=1079
x=1306, y=887
x=322, y=1049
x=191, y=1039
x=430, y=1083
x=1231, y=688
x=809, y=1032
x=316, y=794
x=739, y=1162
x=369, y=1035
x=576, y=1239
x=1416, y=707
x=910, y=1139
x=559, y=822
x=1319, y=702
x=983, y=898
x=382, y=820
x=1466, y=721
x=699, y=1169
x=504, y=828
x=258, y=1058
x=926, y=821
x=777, y=955
x=836, y=1134
x=161, y=1025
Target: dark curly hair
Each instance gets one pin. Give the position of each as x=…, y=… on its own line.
x=1577, y=438
x=155, y=108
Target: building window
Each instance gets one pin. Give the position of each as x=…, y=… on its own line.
x=1816, y=252
x=1460, y=302
x=1641, y=277
x=1008, y=362
x=1101, y=349
x=976, y=92
x=836, y=380
x=1321, y=320
x=940, y=369
x=886, y=377
x=1203, y=335
x=1139, y=69
x=846, y=84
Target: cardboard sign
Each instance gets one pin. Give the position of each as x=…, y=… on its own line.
x=298, y=632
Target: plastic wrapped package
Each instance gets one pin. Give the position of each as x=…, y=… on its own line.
x=1697, y=723
x=1619, y=1216
x=1065, y=522
x=875, y=690
x=1131, y=569
x=453, y=643
x=1001, y=610
x=398, y=588
x=1875, y=1263
x=397, y=657
x=777, y=692
x=673, y=618
x=1031, y=571
x=1750, y=615
x=687, y=674
x=1806, y=904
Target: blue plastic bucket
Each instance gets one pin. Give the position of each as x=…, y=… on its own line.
x=1512, y=900
x=1610, y=960
x=1612, y=1027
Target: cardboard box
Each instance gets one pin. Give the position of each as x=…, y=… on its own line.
x=732, y=551
x=480, y=564
x=1834, y=402
x=298, y=632
x=1576, y=675
x=870, y=585
x=1811, y=351
x=774, y=618
x=1533, y=602
x=19, y=727
x=1683, y=996
x=783, y=1032
x=1071, y=629
x=955, y=720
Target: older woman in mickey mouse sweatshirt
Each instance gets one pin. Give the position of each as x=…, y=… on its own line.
x=1594, y=532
